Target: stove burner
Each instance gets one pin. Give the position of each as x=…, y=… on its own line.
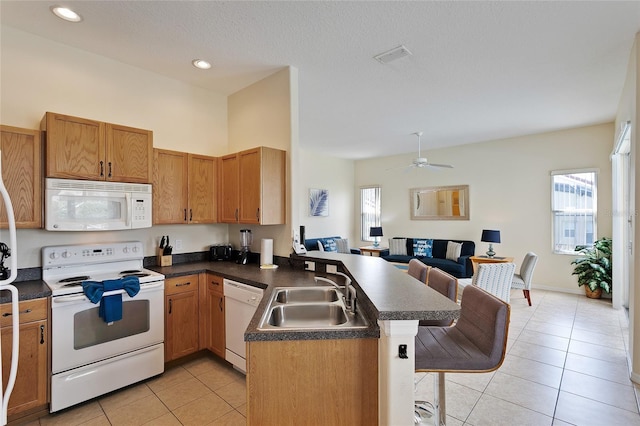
x=131, y=271
x=74, y=279
x=138, y=274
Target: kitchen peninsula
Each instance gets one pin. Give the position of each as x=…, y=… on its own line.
x=291, y=372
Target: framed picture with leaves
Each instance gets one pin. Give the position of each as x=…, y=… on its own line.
x=318, y=202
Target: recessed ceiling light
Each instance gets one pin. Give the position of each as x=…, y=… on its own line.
x=201, y=63
x=392, y=55
x=66, y=14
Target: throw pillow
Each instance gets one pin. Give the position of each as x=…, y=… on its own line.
x=422, y=248
x=398, y=246
x=342, y=245
x=453, y=250
x=329, y=244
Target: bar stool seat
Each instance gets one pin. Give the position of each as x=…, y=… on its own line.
x=475, y=344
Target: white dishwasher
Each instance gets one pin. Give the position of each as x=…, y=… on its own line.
x=240, y=303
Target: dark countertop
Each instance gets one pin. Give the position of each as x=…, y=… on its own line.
x=27, y=290
x=385, y=292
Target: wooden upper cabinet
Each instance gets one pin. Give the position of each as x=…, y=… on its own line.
x=202, y=189
x=170, y=180
x=129, y=154
x=22, y=175
x=229, y=191
x=252, y=187
x=184, y=189
x=78, y=148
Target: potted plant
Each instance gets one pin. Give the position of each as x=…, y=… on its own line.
x=593, y=268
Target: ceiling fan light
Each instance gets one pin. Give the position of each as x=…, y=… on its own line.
x=66, y=14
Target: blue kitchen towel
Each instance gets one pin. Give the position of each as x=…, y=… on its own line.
x=110, y=306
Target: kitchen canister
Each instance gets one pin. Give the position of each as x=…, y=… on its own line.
x=266, y=254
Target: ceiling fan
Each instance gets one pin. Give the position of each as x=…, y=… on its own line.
x=421, y=162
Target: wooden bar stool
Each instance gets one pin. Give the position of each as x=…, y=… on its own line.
x=475, y=344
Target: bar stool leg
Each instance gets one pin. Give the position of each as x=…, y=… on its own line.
x=440, y=400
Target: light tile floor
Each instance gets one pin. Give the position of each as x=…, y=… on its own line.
x=566, y=365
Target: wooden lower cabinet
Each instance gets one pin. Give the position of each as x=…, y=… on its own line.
x=181, y=317
x=31, y=390
x=326, y=382
x=212, y=314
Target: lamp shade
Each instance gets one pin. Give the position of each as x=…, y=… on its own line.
x=490, y=236
x=375, y=231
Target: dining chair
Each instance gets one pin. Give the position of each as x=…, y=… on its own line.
x=495, y=278
x=523, y=279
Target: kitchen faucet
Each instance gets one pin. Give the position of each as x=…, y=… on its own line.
x=349, y=290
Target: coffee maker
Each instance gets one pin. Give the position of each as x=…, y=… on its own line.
x=245, y=246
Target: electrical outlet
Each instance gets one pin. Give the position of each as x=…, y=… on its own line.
x=332, y=269
x=309, y=266
x=178, y=244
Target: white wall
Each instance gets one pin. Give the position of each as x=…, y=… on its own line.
x=261, y=115
x=336, y=175
x=509, y=190
x=38, y=75
x=628, y=111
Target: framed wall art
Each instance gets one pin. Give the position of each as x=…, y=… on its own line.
x=318, y=202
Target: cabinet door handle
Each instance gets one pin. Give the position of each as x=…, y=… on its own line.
x=220, y=304
x=236, y=215
x=42, y=334
x=215, y=282
x=170, y=305
x=258, y=214
x=101, y=168
x=8, y=314
x=190, y=215
x=183, y=284
x=109, y=168
x=185, y=215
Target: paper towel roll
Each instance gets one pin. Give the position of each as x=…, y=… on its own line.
x=266, y=251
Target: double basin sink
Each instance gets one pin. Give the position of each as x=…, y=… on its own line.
x=296, y=308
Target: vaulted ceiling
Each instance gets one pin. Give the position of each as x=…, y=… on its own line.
x=478, y=71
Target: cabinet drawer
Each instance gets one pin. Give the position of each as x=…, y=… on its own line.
x=215, y=284
x=30, y=310
x=181, y=284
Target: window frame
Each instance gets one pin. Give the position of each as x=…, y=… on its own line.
x=364, y=233
x=555, y=209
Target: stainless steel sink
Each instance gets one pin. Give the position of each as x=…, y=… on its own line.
x=306, y=295
x=307, y=315
x=304, y=308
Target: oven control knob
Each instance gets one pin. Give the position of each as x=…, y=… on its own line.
x=135, y=249
x=54, y=255
x=66, y=254
x=125, y=250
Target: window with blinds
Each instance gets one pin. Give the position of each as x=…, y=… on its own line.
x=369, y=210
x=573, y=206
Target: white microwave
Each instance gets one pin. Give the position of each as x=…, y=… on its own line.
x=84, y=205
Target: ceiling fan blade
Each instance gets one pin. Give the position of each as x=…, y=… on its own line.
x=443, y=166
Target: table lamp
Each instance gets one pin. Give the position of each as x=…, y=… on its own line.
x=490, y=236
x=375, y=231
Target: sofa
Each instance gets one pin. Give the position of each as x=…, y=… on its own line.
x=432, y=252
x=329, y=244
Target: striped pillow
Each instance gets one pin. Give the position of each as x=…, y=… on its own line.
x=453, y=250
x=398, y=246
x=342, y=245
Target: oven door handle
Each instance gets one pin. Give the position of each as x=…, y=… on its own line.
x=68, y=299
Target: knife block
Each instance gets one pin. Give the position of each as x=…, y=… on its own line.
x=162, y=260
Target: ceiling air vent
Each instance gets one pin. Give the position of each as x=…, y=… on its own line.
x=392, y=55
